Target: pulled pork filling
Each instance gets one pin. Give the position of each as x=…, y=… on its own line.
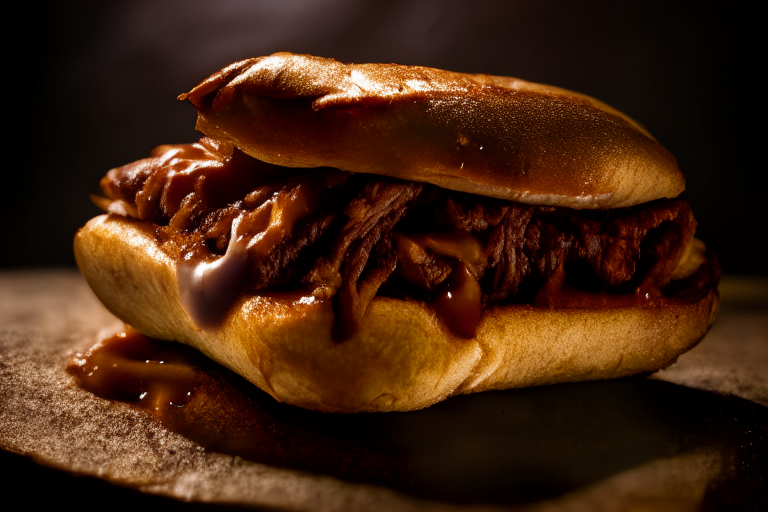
x=247, y=226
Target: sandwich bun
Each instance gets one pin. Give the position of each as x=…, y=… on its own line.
x=404, y=358
x=487, y=135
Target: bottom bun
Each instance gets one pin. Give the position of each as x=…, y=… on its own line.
x=403, y=358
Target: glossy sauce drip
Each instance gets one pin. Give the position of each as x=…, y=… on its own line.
x=208, y=289
x=458, y=304
x=133, y=368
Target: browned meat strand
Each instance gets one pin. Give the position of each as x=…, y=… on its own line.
x=370, y=218
x=537, y=242
x=507, y=261
x=344, y=235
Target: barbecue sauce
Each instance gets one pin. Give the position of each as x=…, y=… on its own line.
x=458, y=304
x=202, y=401
x=131, y=367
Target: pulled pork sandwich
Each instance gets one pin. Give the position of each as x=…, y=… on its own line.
x=379, y=237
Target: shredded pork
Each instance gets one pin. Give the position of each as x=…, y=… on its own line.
x=350, y=236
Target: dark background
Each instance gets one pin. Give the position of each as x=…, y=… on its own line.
x=92, y=85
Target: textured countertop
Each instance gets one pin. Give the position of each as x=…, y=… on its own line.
x=691, y=437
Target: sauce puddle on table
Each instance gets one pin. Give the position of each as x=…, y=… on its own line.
x=500, y=447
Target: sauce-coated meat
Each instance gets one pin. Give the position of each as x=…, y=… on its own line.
x=344, y=236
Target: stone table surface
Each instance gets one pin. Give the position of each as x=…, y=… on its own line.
x=702, y=446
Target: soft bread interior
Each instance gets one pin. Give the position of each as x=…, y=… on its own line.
x=403, y=358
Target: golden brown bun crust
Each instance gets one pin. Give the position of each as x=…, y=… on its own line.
x=494, y=136
x=284, y=345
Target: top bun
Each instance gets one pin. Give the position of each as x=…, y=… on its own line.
x=493, y=136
